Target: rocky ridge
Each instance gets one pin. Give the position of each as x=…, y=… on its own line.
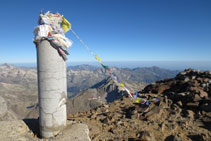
x=190, y=87
x=16, y=75
x=183, y=112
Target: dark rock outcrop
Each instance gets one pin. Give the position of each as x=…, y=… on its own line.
x=188, y=86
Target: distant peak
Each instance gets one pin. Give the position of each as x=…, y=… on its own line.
x=8, y=66
x=5, y=64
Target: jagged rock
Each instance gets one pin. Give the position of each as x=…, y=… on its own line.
x=190, y=114
x=154, y=113
x=146, y=136
x=171, y=126
x=196, y=97
x=192, y=89
x=206, y=107
x=19, y=130
x=186, y=79
x=179, y=103
x=203, y=94
x=76, y=132
x=15, y=130
x=5, y=113
x=174, y=138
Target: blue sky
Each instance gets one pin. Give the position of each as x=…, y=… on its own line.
x=116, y=30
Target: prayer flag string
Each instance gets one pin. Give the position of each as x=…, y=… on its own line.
x=115, y=78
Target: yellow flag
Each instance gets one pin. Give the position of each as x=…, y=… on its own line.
x=98, y=58
x=121, y=84
x=65, y=25
x=137, y=100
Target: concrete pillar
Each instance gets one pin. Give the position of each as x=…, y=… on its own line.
x=52, y=89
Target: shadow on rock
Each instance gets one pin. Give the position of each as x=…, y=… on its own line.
x=33, y=125
x=196, y=137
x=207, y=125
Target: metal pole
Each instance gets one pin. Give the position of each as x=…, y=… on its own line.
x=52, y=89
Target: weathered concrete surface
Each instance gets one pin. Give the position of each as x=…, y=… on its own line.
x=52, y=89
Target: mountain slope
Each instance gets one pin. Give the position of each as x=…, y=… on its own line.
x=18, y=86
x=183, y=112
x=79, y=80
x=101, y=93
x=81, y=77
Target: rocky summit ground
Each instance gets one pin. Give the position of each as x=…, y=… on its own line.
x=183, y=113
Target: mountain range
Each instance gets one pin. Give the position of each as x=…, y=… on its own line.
x=18, y=85
x=182, y=111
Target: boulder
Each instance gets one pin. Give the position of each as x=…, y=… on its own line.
x=15, y=130
x=19, y=130
x=147, y=136
x=75, y=132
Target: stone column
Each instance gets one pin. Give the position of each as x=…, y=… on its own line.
x=52, y=89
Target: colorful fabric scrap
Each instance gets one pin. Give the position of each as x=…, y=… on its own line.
x=117, y=78
x=147, y=103
x=137, y=100
x=98, y=58
x=121, y=84
x=52, y=28
x=155, y=100
x=65, y=24
x=135, y=95
x=105, y=67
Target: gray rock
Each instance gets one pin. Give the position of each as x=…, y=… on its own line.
x=15, y=131
x=19, y=131
x=177, y=138
x=174, y=138
x=190, y=114
x=204, y=85
x=76, y=132
x=147, y=136
x=193, y=77
x=3, y=107
x=183, y=73
x=186, y=79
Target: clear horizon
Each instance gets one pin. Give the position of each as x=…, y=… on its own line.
x=172, y=65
